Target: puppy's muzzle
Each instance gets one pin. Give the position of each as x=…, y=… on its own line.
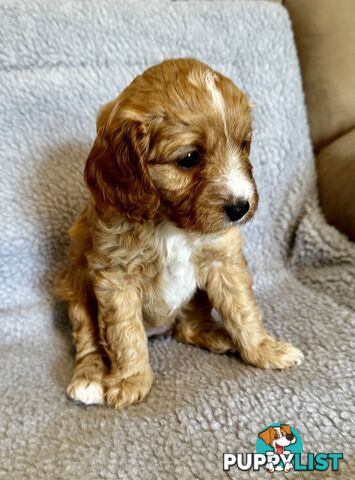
x=236, y=211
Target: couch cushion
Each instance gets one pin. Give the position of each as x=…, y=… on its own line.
x=336, y=182
x=325, y=37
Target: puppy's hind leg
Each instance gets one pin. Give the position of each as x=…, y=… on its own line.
x=86, y=385
x=196, y=326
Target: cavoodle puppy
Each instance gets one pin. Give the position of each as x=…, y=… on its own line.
x=159, y=245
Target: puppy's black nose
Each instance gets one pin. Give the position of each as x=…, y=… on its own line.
x=290, y=437
x=237, y=210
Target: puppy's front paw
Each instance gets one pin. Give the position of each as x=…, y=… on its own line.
x=129, y=390
x=89, y=393
x=86, y=385
x=272, y=353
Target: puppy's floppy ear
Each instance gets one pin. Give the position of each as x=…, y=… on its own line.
x=116, y=171
x=266, y=436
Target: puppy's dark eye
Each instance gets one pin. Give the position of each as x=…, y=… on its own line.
x=245, y=146
x=191, y=160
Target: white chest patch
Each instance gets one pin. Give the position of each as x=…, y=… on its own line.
x=178, y=282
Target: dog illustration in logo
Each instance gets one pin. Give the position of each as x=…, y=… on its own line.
x=278, y=438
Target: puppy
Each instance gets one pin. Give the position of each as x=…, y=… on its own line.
x=278, y=438
x=159, y=245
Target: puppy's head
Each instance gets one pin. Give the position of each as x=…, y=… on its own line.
x=176, y=144
x=278, y=437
